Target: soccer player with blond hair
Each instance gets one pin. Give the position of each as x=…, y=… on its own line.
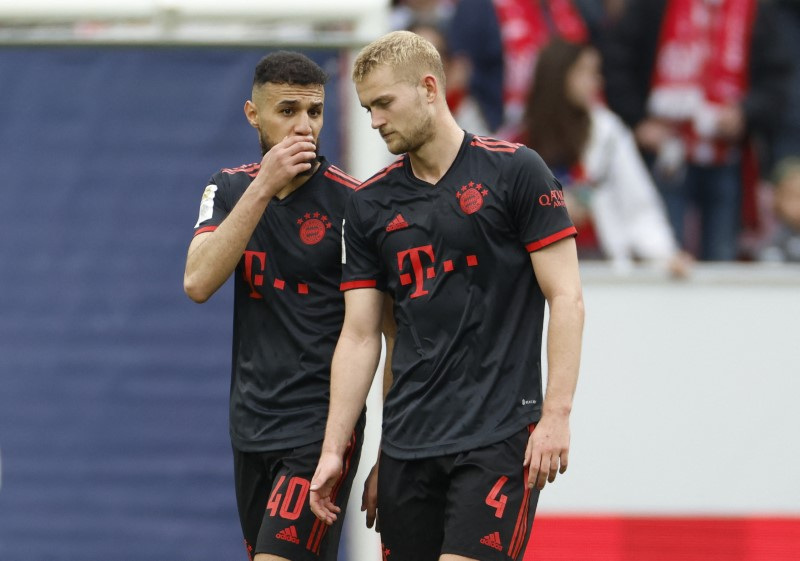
x=470, y=237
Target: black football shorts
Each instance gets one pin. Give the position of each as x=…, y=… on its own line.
x=272, y=492
x=473, y=503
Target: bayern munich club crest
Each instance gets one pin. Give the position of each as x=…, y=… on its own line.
x=313, y=226
x=470, y=197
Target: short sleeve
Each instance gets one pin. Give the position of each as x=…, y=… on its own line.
x=213, y=207
x=360, y=259
x=537, y=201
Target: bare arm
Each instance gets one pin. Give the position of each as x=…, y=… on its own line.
x=213, y=256
x=389, y=328
x=369, y=498
x=556, y=268
x=352, y=371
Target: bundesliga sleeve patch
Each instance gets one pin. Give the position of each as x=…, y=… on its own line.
x=206, y=205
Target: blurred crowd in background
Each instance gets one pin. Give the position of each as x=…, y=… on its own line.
x=672, y=125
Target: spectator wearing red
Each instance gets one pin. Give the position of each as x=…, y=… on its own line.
x=609, y=193
x=696, y=79
x=498, y=41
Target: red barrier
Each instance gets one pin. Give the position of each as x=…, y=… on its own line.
x=608, y=538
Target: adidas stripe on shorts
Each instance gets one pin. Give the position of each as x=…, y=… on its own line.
x=474, y=503
x=272, y=491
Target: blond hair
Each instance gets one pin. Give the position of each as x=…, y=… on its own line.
x=409, y=54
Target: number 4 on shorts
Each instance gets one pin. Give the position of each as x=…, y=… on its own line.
x=499, y=504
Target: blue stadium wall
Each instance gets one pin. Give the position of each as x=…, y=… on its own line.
x=113, y=385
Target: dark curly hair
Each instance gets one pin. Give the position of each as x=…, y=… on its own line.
x=285, y=67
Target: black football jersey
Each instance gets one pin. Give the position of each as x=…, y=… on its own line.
x=456, y=258
x=288, y=309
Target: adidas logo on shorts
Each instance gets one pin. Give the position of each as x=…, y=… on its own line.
x=289, y=535
x=492, y=540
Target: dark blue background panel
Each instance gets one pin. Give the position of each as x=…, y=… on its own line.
x=113, y=385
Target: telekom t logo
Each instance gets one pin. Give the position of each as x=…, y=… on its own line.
x=415, y=257
x=252, y=278
x=255, y=263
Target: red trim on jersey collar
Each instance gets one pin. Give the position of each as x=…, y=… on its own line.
x=566, y=232
x=339, y=176
x=249, y=169
x=205, y=229
x=494, y=145
x=495, y=141
x=350, y=285
x=383, y=172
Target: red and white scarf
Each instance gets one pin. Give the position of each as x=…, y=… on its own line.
x=701, y=65
x=525, y=28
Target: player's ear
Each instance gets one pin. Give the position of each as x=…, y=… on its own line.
x=431, y=85
x=251, y=112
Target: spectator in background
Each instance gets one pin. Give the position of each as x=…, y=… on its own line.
x=455, y=72
x=497, y=42
x=787, y=140
x=600, y=17
x=695, y=79
x=607, y=187
x=432, y=31
x=785, y=244
x=405, y=12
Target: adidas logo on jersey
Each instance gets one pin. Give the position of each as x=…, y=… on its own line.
x=492, y=540
x=397, y=223
x=289, y=535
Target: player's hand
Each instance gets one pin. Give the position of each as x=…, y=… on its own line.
x=369, y=499
x=329, y=470
x=547, y=453
x=284, y=161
